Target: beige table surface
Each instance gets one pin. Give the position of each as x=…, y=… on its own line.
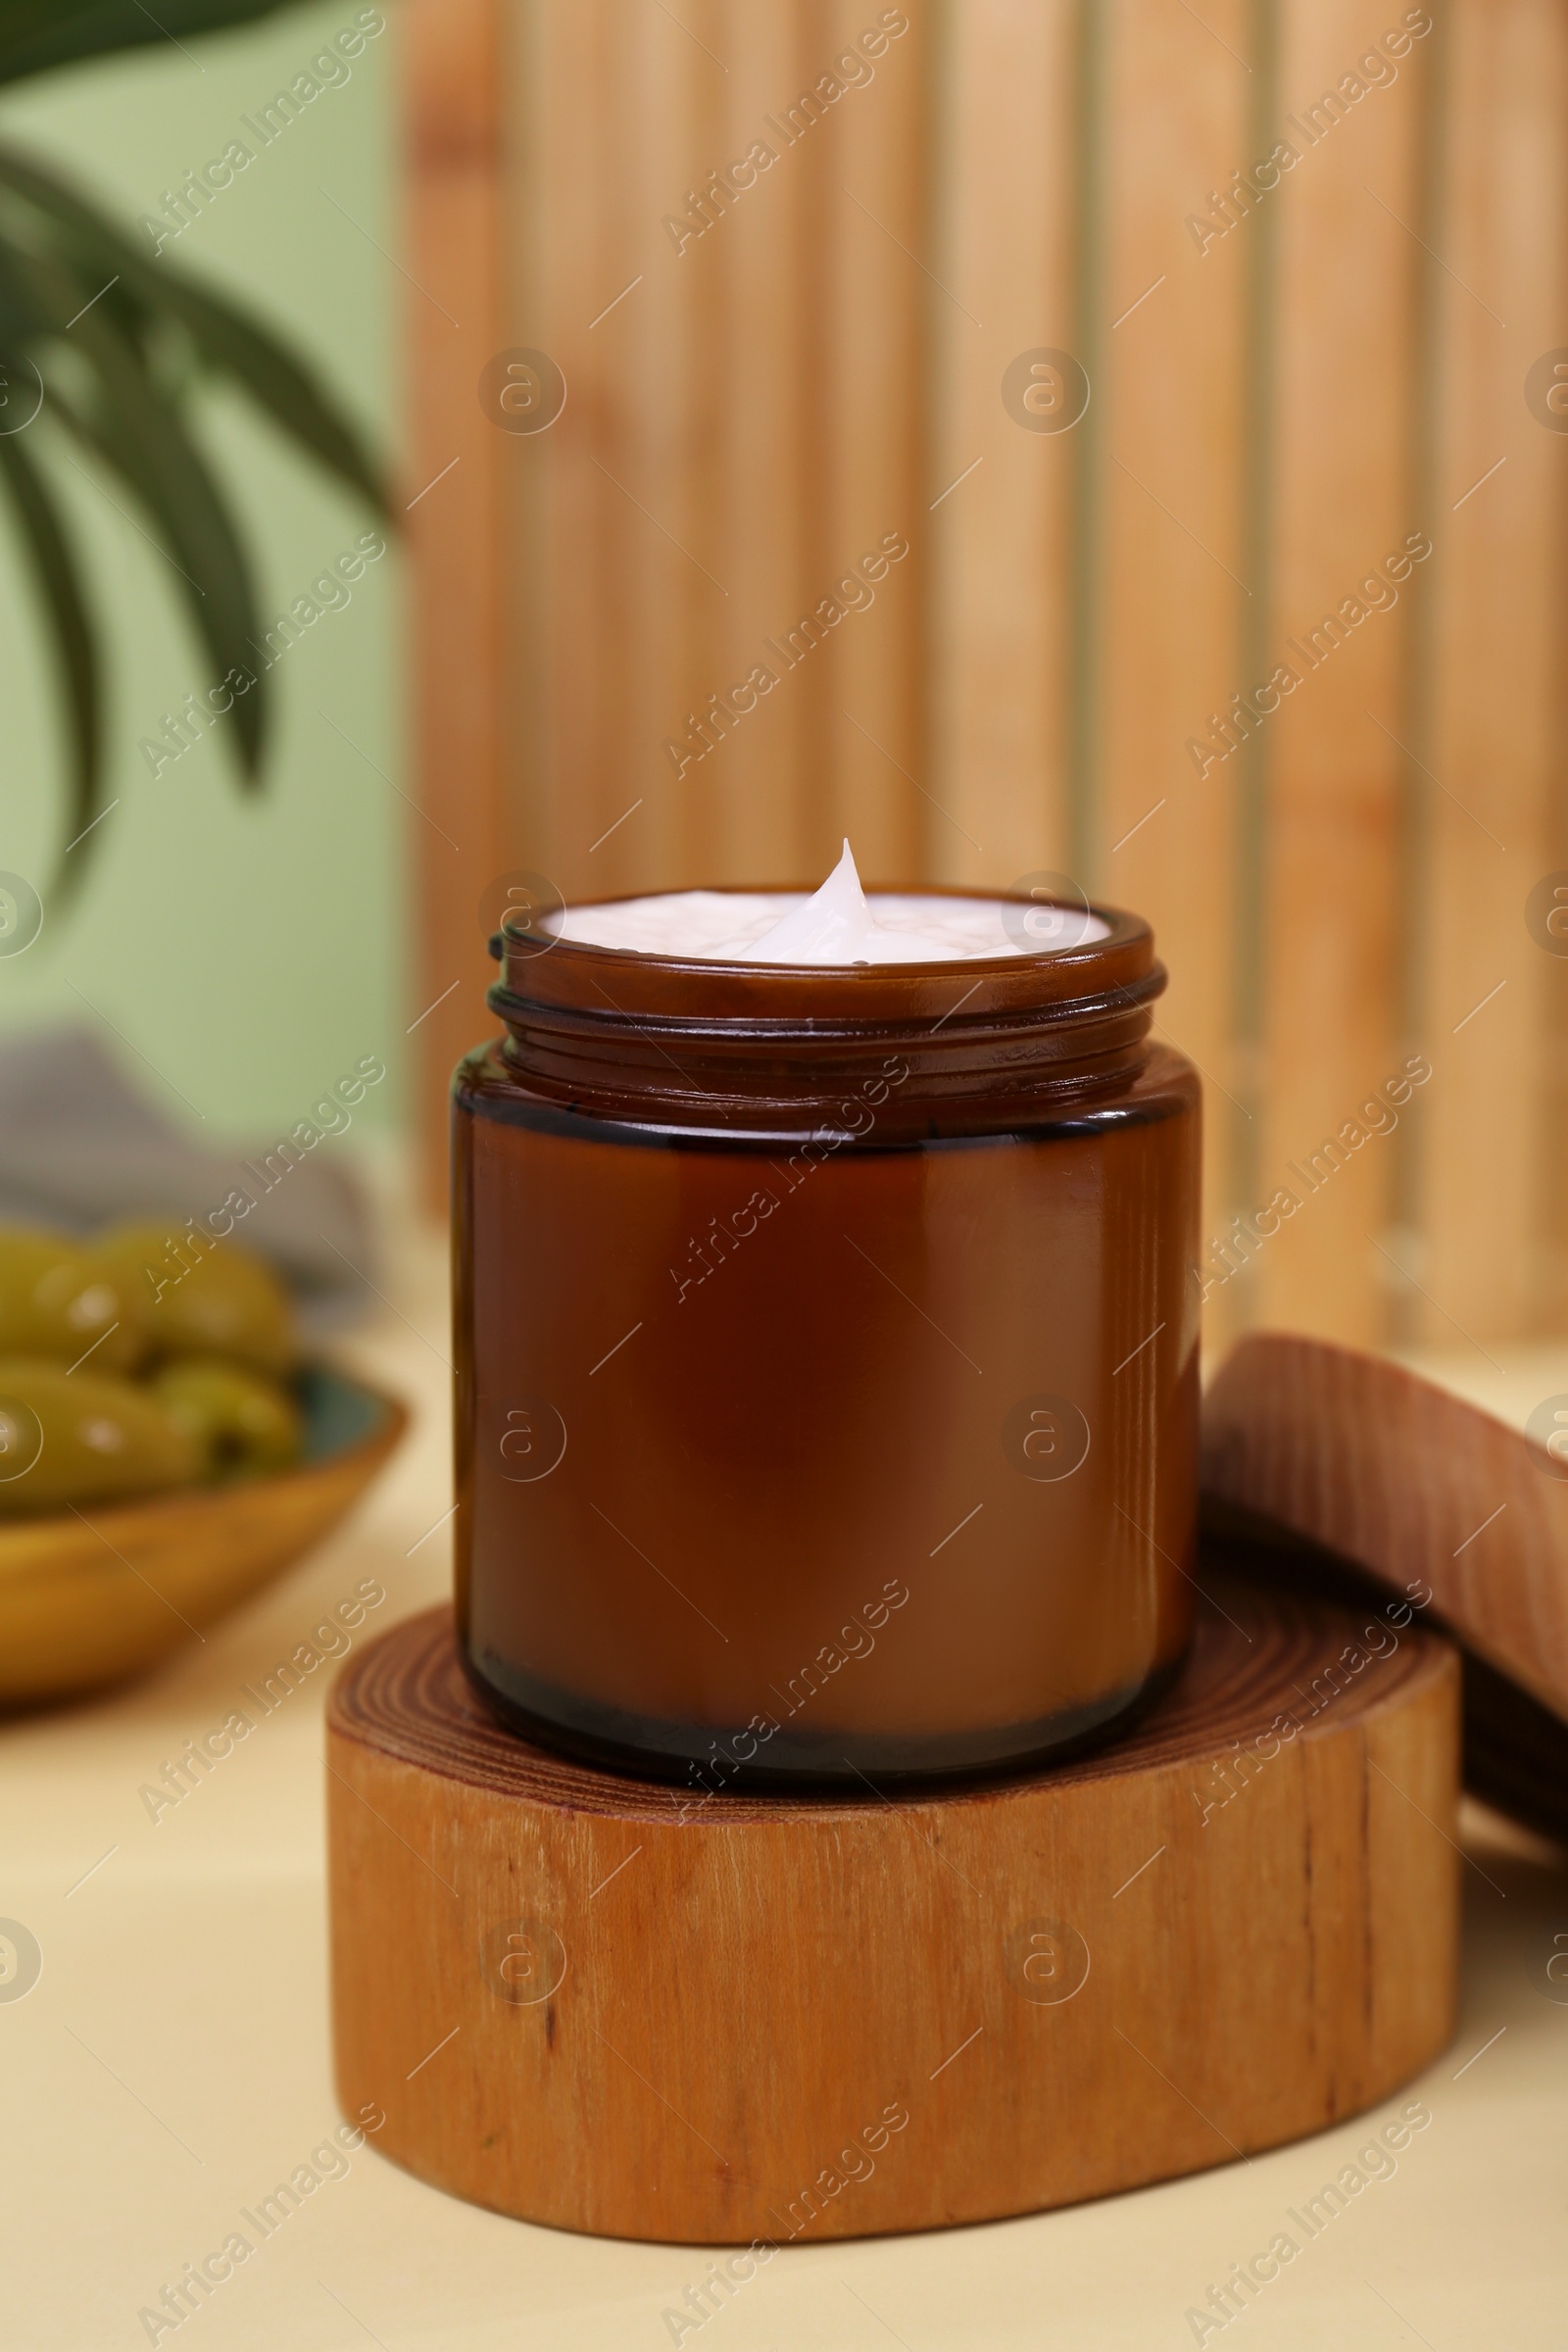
x=171, y=2064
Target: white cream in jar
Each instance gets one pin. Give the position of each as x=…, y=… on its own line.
x=836, y=925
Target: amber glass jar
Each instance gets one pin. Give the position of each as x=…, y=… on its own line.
x=826, y=1358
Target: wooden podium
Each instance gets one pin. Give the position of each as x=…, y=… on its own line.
x=597, y=2002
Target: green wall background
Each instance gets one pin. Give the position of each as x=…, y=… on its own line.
x=246, y=946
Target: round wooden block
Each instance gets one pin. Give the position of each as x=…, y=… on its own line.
x=611, y=2007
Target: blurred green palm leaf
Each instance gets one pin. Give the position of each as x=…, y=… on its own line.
x=118, y=338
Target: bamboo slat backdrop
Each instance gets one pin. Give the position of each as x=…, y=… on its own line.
x=1287, y=383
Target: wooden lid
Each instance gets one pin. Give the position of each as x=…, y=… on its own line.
x=1352, y=1469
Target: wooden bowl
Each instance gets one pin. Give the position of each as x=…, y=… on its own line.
x=90, y=1598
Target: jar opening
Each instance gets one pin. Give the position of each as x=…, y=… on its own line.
x=735, y=926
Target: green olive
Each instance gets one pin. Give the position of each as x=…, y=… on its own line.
x=197, y=1296
x=241, y=1424
x=60, y=1302
x=83, y=1436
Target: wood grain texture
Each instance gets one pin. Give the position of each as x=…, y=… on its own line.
x=1418, y=1490
x=785, y=2020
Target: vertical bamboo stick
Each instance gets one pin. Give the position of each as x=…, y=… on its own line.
x=880, y=300
x=1549, y=1076
x=1346, y=273
x=1172, y=404
x=1495, y=749
x=1000, y=533
x=453, y=82
x=766, y=814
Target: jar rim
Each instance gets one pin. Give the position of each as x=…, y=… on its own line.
x=540, y=967
x=617, y=1033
